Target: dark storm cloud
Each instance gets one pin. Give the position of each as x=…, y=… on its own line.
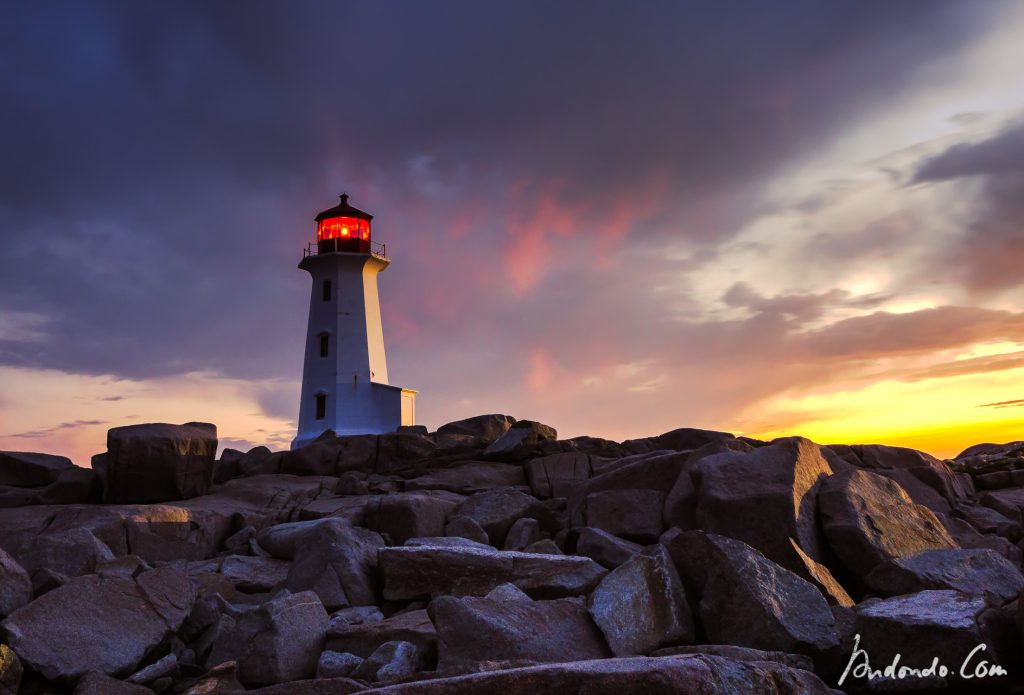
x=989, y=255
x=163, y=161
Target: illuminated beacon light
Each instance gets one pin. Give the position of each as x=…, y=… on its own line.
x=351, y=228
x=343, y=229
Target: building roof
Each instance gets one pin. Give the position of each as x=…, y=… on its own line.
x=343, y=209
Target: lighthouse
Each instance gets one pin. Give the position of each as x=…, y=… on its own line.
x=345, y=374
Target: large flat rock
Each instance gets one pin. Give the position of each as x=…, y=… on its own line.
x=473, y=633
x=411, y=572
x=976, y=571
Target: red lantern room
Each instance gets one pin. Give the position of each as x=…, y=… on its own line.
x=343, y=228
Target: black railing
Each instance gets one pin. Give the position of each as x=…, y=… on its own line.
x=333, y=246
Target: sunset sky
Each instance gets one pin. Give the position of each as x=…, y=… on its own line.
x=615, y=218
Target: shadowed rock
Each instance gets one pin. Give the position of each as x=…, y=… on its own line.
x=641, y=605
x=749, y=601
x=391, y=661
x=521, y=441
x=257, y=461
x=100, y=684
x=29, y=469
x=161, y=668
x=254, y=574
x=476, y=634
x=327, y=686
x=927, y=625
x=319, y=457
x=730, y=651
x=557, y=474
x=364, y=639
x=403, y=452
x=276, y=642
x=192, y=529
x=523, y=532
x=338, y=562
x=74, y=485
x=979, y=572
x=681, y=502
x=869, y=520
x=465, y=527
x=680, y=439
x=487, y=426
x=1009, y=503
x=474, y=476
x=634, y=514
x=337, y=664
x=159, y=462
x=72, y=553
x=496, y=510
x=656, y=676
x=410, y=515
x=94, y=623
x=604, y=548
x=765, y=497
x=222, y=678
x=15, y=585
x=411, y=572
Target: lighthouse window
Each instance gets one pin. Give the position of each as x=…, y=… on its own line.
x=321, y=406
x=324, y=338
x=327, y=290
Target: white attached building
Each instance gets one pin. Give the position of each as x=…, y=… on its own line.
x=345, y=376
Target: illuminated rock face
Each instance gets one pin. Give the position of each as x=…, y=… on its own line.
x=345, y=374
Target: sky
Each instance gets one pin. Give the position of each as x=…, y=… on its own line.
x=615, y=218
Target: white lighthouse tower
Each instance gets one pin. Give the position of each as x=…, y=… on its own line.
x=345, y=376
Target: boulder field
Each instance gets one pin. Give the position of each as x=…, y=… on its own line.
x=491, y=556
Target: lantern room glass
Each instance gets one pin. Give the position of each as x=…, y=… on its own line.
x=343, y=233
x=343, y=228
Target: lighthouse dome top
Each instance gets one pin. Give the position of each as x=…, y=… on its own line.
x=343, y=209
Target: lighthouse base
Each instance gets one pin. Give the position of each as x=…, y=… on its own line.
x=362, y=409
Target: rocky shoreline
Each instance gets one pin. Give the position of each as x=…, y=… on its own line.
x=490, y=556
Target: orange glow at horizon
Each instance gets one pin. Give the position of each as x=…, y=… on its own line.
x=941, y=416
